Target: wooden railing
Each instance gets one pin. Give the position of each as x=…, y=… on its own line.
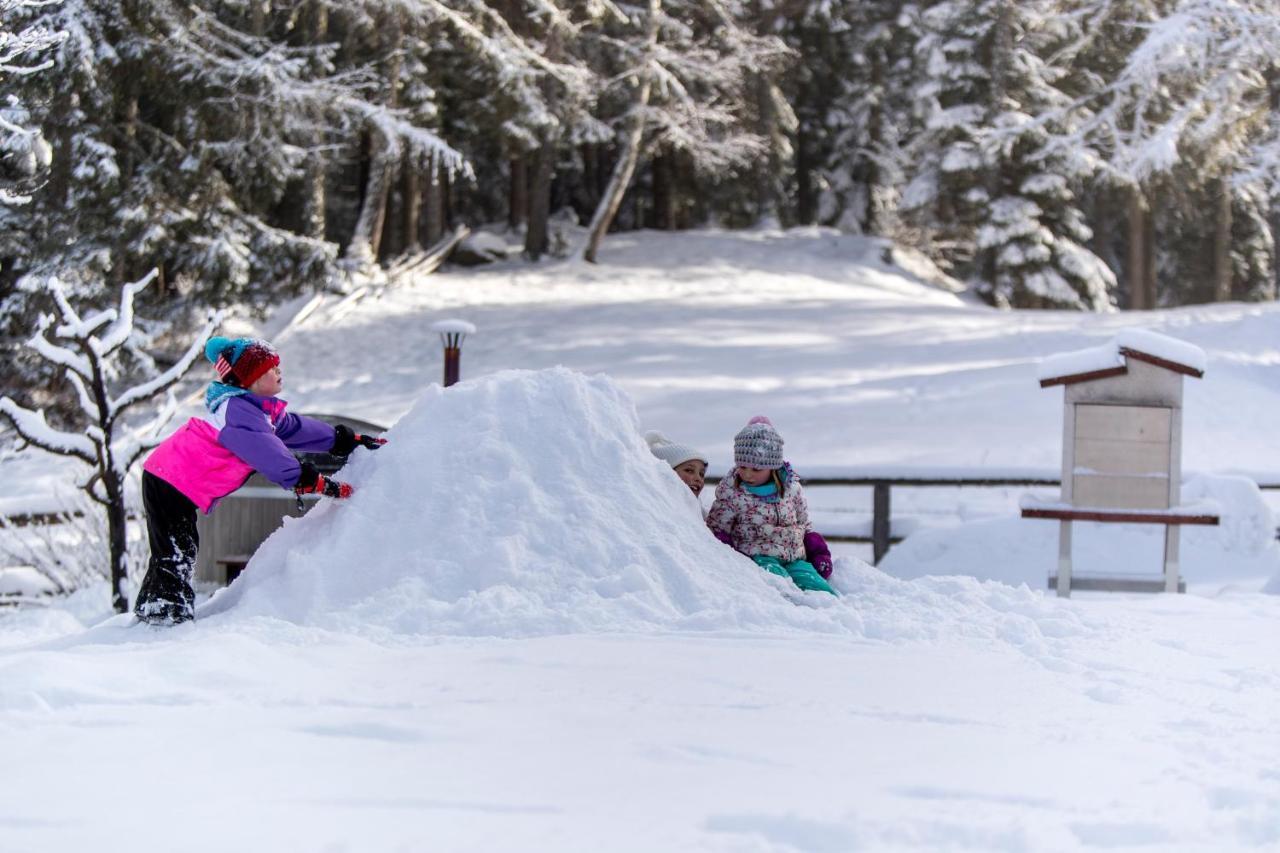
x=881, y=480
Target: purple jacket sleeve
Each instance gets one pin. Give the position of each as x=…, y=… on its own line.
x=249, y=435
x=817, y=553
x=309, y=435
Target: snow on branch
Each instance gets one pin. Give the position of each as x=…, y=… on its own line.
x=1195, y=81
x=34, y=430
x=165, y=380
x=260, y=70
x=59, y=355
x=16, y=52
x=122, y=325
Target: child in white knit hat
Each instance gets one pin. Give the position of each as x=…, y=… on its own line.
x=761, y=511
x=690, y=465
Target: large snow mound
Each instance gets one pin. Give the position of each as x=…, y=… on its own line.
x=522, y=503
x=527, y=503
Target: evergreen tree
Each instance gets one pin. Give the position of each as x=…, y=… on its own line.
x=998, y=196
x=24, y=153
x=683, y=74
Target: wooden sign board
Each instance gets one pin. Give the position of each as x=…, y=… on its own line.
x=1122, y=447
x=1121, y=456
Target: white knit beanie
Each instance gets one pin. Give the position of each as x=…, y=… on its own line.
x=673, y=454
x=758, y=445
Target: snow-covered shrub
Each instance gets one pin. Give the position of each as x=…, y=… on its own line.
x=72, y=551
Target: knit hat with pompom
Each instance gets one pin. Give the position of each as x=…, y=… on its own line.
x=668, y=451
x=758, y=445
x=240, y=361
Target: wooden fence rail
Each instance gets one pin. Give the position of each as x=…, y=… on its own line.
x=881, y=482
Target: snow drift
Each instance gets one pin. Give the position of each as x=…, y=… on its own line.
x=523, y=503
x=526, y=503
x=1240, y=552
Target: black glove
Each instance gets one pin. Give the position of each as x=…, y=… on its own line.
x=345, y=441
x=311, y=481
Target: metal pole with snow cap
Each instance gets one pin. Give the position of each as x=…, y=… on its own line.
x=452, y=333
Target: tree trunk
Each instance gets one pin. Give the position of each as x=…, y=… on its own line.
x=874, y=220
x=1136, y=271
x=117, y=535
x=767, y=182
x=806, y=194
x=384, y=152
x=664, y=193
x=1273, y=86
x=313, y=196
x=544, y=167
x=518, y=199
x=1222, y=243
x=433, y=212
x=612, y=200
x=112, y=482
x=366, y=239
x=410, y=206
x=258, y=12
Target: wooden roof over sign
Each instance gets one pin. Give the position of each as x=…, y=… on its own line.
x=1111, y=359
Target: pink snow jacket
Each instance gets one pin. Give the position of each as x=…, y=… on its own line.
x=210, y=457
x=756, y=527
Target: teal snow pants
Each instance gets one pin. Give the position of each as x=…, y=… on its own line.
x=801, y=572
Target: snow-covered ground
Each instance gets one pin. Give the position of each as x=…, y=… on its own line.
x=517, y=635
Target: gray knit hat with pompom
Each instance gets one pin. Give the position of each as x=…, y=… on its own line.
x=758, y=445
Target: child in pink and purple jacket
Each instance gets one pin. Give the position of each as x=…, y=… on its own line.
x=761, y=511
x=245, y=429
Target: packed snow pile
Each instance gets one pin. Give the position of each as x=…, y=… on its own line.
x=526, y=503
x=1241, y=551
x=523, y=503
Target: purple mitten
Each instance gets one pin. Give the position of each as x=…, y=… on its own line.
x=817, y=553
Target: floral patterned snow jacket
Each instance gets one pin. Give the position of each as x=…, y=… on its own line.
x=762, y=526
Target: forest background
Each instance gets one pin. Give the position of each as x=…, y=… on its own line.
x=1080, y=154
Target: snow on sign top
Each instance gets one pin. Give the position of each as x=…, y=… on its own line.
x=455, y=326
x=1110, y=359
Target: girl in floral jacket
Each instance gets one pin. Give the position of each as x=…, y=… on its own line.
x=760, y=510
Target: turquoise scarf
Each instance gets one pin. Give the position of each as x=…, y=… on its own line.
x=219, y=391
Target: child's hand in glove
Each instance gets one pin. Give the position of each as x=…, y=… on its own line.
x=345, y=441
x=312, y=481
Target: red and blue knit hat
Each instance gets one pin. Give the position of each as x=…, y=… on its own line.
x=240, y=361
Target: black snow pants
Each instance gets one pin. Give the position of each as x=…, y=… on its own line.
x=166, y=596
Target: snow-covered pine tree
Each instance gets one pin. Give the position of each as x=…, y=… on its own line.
x=1198, y=89
x=180, y=128
x=89, y=351
x=24, y=153
x=683, y=74
x=852, y=107
x=988, y=178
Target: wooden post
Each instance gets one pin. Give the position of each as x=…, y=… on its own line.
x=1064, y=560
x=879, y=521
x=452, y=357
x=1171, y=570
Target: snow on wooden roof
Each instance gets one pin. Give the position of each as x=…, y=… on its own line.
x=1111, y=359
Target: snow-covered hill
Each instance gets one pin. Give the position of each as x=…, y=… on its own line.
x=517, y=636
